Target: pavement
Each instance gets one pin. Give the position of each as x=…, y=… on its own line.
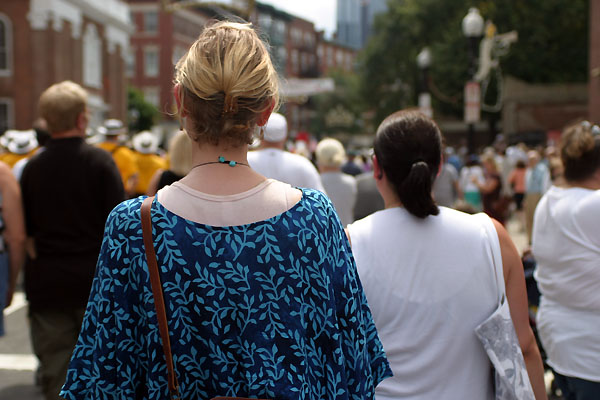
x=18, y=364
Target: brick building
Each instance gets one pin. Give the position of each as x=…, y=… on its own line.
x=332, y=55
x=161, y=38
x=47, y=41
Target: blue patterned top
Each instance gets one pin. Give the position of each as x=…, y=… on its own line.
x=272, y=309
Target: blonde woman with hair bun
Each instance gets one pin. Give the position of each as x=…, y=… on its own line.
x=261, y=292
x=566, y=246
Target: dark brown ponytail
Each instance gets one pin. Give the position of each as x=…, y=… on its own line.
x=408, y=148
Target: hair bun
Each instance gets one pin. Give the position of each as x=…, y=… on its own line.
x=578, y=140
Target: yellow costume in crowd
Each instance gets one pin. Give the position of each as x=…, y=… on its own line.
x=148, y=164
x=126, y=162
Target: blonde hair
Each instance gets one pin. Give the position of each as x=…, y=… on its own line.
x=490, y=159
x=180, y=153
x=61, y=104
x=226, y=81
x=330, y=153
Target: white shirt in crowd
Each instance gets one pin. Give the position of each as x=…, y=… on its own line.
x=466, y=176
x=429, y=283
x=341, y=189
x=566, y=246
x=286, y=167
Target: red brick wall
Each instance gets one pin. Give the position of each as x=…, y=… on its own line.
x=42, y=58
x=19, y=86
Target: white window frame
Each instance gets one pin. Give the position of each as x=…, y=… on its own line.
x=10, y=114
x=130, y=62
x=92, y=57
x=149, y=71
x=9, y=45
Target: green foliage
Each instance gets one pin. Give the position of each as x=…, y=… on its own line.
x=141, y=115
x=552, y=48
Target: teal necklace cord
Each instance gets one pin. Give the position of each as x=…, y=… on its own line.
x=221, y=160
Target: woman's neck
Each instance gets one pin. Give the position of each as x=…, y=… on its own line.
x=205, y=153
x=211, y=175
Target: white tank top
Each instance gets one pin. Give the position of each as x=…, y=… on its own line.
x=429, y=283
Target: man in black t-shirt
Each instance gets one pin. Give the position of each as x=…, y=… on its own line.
x=68, y=191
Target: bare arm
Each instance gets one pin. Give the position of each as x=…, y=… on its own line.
x=14, y=233
x=516, y=294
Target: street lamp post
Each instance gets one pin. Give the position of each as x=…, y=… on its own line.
x=423, y=62
x=472, y=27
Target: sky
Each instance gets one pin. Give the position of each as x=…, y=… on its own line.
x=321, y=12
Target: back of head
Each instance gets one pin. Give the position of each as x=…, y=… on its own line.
x=330, y=153
x=408, y=149
x=180, y=153
x=61, y=104
x=225, y=81
x=580, y=151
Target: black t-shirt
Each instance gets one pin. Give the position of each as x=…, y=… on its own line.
x=166, y=178
x=68, y=191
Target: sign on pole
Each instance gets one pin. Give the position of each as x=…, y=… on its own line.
x=425, y=104
x=472, y=102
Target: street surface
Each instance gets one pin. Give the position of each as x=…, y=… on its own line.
x=17, y=363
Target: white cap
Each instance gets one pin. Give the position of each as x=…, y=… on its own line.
x=276, y=128
x=114, y=127
x=145, y=142
x=22, y=142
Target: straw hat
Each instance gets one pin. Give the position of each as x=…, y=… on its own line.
x=114, y=127
x=145, y=142
x=22, y=142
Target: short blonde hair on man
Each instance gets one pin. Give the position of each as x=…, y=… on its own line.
x=330, y=153
x=61, y=104
x=226, y=81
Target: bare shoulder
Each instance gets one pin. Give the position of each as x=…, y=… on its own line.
x=6, y=174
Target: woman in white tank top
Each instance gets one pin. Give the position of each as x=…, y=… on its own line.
x=428, y=275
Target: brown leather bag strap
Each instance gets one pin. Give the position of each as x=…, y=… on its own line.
x=159, y=301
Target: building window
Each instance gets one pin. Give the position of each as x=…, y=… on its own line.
x=282, y=54
x=5, y=45
x=130, y=62
x=152, y=95
x=295, y=60
x=6, y=115
x=296, y=36
x=92, y=57
x=178, y=53
x=151, y=22
x=280, y=27
x=265, y=21
x=151, y=68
